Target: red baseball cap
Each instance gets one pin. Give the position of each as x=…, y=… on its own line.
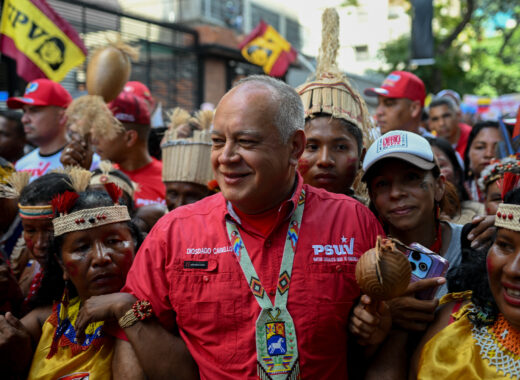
x=400, y=84
x=42, y=92
x=141, y=90
x=130, y=108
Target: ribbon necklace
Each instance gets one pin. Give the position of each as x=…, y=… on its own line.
x=276, y=345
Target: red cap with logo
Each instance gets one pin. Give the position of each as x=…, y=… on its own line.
x=130, y=108
x=141, y=90
x=42, y=92
x=400, y=84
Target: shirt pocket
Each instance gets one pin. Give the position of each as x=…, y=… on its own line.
x=208, y=306
x=330, y=305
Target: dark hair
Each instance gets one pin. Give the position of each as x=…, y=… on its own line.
x=444, y=101
x=53, y=285
x=448, y=150
x=474, y=132
x=44, y=188
x=352, y=129
x=471, y=274
x=127, y=199
x=16, y=117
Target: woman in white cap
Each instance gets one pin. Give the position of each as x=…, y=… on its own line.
x=407, y=191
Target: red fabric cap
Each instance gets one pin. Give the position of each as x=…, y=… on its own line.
x=141, y=90
x=42, y=92
x=130, y=108
x=400, y=84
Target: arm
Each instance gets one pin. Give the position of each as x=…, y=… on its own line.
x=125, y=364
x=148, y=339
x=19, y=338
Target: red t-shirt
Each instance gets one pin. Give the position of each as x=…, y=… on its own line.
x=187, y=269
x=465, y=130
x=151, y=187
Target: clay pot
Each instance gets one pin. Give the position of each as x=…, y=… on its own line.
x=383, y=272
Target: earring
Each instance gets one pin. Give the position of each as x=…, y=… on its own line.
x=65, y=296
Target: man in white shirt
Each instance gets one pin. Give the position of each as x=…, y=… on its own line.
x=44, y=103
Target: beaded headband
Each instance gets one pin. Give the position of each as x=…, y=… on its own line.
x=508, y=216
x=496, y=170
x=89, y=218
x=36, y=212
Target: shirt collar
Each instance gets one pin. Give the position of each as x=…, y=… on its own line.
x=287, y=207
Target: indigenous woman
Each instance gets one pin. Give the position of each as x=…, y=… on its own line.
x=36, y=213
x=491, y=179
x=452, y=171
x=481, y=149
x=337, y=123
x=94, y=246
x=407, y=193
x=481, y=339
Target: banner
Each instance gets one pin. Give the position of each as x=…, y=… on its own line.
x=39, y=40
x=265, y=47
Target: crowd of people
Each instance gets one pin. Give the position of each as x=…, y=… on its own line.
x=232, y=254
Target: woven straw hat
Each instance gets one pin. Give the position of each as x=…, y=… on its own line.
x=188, y=159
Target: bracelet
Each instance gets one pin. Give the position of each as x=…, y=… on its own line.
x=141, y=310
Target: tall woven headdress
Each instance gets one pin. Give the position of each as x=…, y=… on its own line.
x=330, y=92
x=188, y=159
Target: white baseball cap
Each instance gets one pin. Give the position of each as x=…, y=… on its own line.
x=404, y=145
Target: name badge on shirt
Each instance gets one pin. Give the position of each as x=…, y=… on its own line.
x=195, y=265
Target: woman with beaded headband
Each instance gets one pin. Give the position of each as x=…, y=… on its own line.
x=36, y=213
x=94, y=244
x=491, y=181
x=337, y=123
x=476, y=334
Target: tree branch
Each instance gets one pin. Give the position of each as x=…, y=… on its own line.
x=446, y=43
x=507, y=37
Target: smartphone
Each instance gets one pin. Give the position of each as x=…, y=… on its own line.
x=426, y=264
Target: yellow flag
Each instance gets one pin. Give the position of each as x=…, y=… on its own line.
x=41, y=42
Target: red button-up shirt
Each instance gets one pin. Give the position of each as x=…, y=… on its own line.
x=187, y=269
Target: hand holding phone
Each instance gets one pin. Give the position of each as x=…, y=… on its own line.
x=426, y=264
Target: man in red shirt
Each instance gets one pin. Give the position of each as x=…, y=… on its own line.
x=259, y=278
x=444, y=120
x=129, y=150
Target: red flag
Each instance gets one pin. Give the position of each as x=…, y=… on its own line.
x=265, y=47
x=39, y=40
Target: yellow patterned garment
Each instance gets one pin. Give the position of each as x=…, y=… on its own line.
x=463, y=351
x=59, y=357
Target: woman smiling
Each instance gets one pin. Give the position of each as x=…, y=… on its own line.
x=94, y=245
x=481, y=339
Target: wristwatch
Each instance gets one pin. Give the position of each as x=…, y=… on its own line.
x=141, y=310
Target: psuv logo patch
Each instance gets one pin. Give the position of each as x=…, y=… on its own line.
x=335, y=252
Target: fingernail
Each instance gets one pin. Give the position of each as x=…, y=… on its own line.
x=470, y=237
x=441, y=280
x=474, y=244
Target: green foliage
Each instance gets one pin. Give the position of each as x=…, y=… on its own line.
x=493, y=62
